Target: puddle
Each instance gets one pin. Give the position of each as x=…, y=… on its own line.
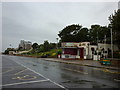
x=92, y=83
x=99, y=86
x=77, y=81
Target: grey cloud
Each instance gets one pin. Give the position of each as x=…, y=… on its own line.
x=43, y=21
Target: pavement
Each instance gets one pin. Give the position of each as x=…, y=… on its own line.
x=89, y=63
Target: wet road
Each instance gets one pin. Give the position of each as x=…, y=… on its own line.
x=55, y=75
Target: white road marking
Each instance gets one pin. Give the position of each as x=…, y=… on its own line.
x=117, y=80
x=20, y=72
x=24, y=83
x=11, y=69
x=41, y=75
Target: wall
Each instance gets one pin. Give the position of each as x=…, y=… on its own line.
x=71, y=51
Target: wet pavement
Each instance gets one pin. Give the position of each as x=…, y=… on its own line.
x=89, y=63
x=38, y=73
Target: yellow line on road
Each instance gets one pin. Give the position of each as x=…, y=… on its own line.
x=26, y=77
x=11, y=69
x=107, y=70
x=75, y=70
x=20, y=72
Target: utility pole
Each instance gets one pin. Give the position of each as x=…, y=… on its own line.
x=97, y=46
x=104, y=45
x=111, y=43
x=88, y=51
x=57, y=43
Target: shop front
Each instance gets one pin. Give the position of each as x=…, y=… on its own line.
x=73, y=51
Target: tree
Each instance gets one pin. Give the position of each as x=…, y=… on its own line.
x=94, y=30
x=20, y=48
x=97, y=32
x=52, y=45
x=115, y=25
x=82, y=35
x=35, y=46
x=104, y=30
x=41, y=48
x=68, y=34
x=46, y=46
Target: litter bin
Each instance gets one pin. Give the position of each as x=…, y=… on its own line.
x=105, y=62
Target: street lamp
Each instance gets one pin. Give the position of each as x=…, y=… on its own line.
x=57, y=43
x=97, y=46
x=111, y=43
x=104, y=45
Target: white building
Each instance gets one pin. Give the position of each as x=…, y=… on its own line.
x=85, y=50
x=25, y=45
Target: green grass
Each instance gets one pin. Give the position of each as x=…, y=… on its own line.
x=52, y=53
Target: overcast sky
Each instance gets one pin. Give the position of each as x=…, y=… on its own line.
x=39, y=21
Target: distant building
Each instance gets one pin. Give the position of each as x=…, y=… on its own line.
x=85, y=50
x=25, y=45
x=11, y=52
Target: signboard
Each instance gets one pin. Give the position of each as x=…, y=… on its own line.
x=68, y=44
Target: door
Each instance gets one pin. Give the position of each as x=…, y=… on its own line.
x=81, y=53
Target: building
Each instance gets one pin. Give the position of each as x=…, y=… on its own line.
x=11, y=52
x=81, y=50
x=85, y=50
x=28, y=45
x=25, y=45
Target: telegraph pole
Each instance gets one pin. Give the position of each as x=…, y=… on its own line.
x=57, y=43
x=111, y=43
x=97, y=46
x=104, y=45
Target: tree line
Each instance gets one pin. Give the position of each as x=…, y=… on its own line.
x=96, y=33
x=78, y=33
x=46, y=46
x=75, y=33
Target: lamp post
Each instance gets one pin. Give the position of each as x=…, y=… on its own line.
x=111, y=43
x=97, y=46
x=57, y=43
x=88, y=51
x=104, y=45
